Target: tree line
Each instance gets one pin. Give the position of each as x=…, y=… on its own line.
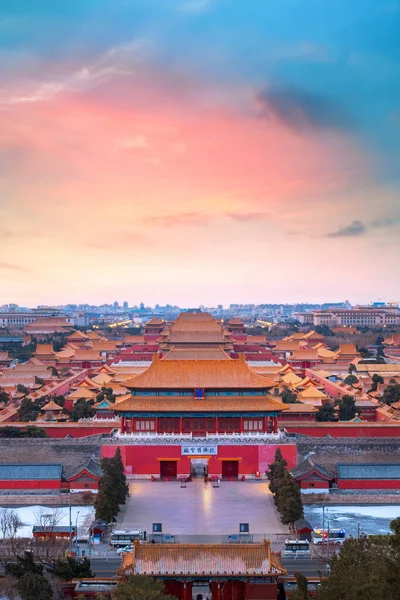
x=36, y=572
x=113, y=489
x=367, y=568
x=30, y=409
x=286, y=492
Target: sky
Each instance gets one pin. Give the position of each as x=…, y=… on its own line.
x=199, y=151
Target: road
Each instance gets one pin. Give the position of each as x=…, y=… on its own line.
x=102, y=567
x=310, y=567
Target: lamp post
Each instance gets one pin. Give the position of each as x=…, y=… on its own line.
x=76, y=535
x=70, y=524
x=329, y=554
x=91, y=537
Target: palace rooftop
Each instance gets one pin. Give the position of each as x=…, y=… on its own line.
x=199, y=374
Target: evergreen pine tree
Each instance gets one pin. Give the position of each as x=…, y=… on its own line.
x=326, y=412
x=347, y=408
x=70, y=568
x=24, y=564
x=140, y=587
x=276, y=471
x=301, y=592
x=288, y=500
x=32, y=585
x=114, y=467
x=361, y=571
x=122, y=488
x=106, y=503
x=31, y=581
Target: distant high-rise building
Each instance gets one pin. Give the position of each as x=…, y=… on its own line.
x=116, y=304
x=125, y=304
x=358, y=316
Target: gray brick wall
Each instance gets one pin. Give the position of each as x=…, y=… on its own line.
x=71, y=452
x=328, y=451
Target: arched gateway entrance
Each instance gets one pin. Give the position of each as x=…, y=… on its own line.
x=199, y=466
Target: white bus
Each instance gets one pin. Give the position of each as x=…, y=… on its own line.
x=330, y=536
x=125, y=537
x=296, y=548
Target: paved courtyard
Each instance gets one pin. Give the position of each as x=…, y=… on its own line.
x=200, y=509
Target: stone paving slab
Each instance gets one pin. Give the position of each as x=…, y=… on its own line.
x=200, y=509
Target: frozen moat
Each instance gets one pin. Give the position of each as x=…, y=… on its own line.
x=371, y=519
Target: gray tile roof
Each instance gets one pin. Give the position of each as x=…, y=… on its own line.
x=303, y=524
x=368, y=471
x=30, y=471
x=307, y=466
x=91, y=465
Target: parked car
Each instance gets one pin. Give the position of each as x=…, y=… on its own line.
x=128, y=548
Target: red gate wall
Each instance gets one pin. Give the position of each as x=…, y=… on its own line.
x=145, y=460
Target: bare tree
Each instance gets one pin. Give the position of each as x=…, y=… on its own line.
x=47, y=545
x=48, y=518
x=9, y=523
x=11, y=545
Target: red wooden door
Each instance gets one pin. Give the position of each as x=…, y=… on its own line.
x=168, y=468
x=230, y=468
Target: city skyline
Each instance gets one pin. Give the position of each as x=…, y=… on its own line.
x=125, y=304
x=199, y=152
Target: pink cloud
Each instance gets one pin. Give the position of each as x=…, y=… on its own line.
x=10, y=267
x=103, y=167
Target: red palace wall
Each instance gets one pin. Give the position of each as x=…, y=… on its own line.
x=84, y=486
x=369, y=484
x=262, y=591
x=297, y=418
x=30, y=485
x=340, y=430
x=75, y=430
x=317, y=484
x=145, y=460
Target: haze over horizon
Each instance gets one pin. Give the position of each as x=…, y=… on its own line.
x=199, y=151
